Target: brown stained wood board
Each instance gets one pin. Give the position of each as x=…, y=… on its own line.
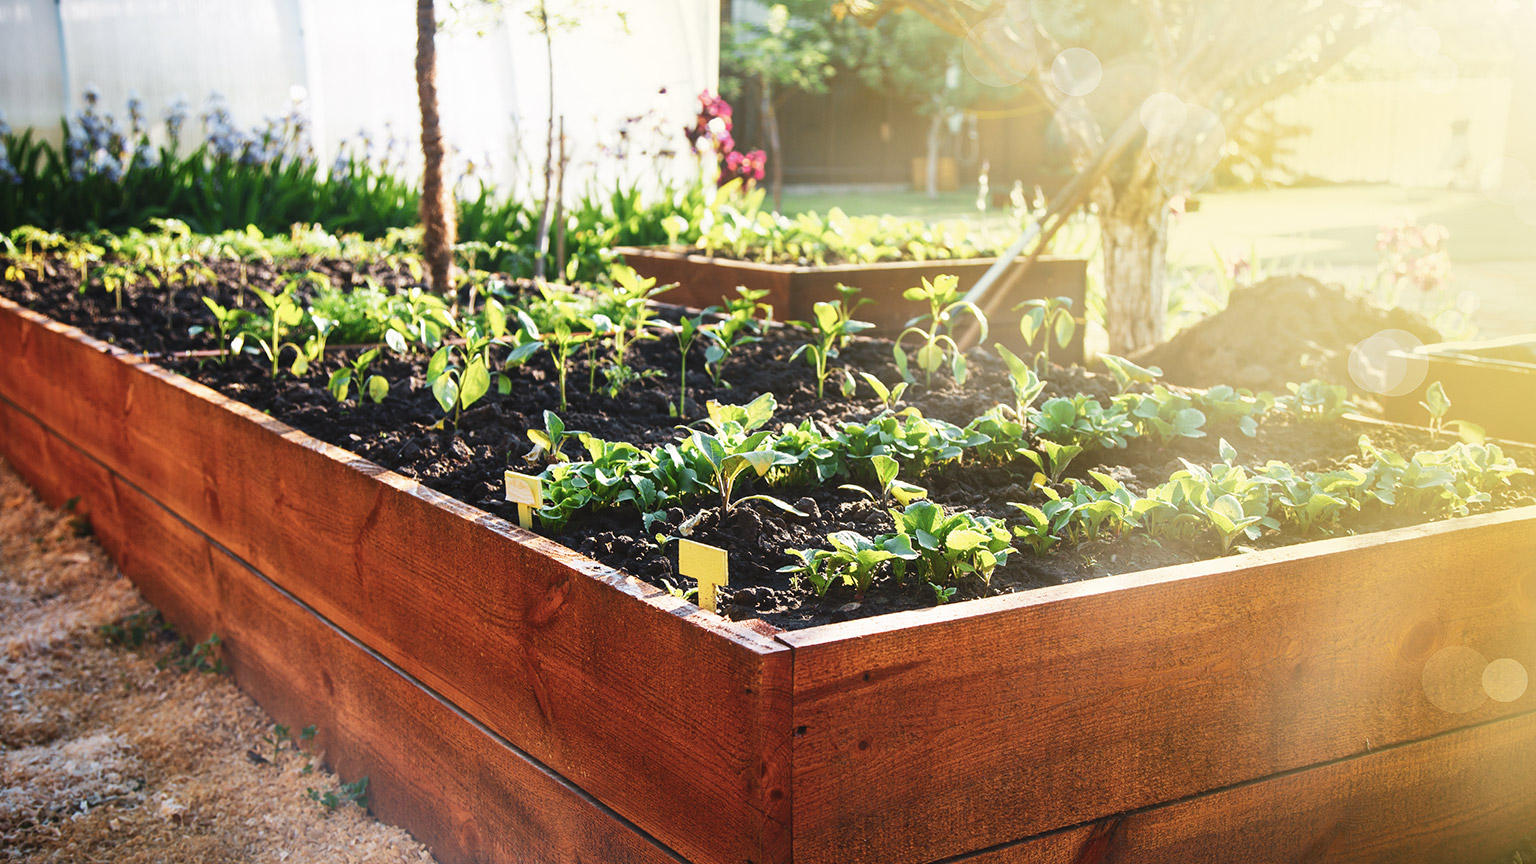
x=633, y=695
x=1466, y=797
x=432, y=770
x=930, y=734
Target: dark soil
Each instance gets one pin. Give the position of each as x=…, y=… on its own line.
x=155, y=320
x=407, y=433
x=1287, y=328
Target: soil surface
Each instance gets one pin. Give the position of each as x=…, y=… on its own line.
x=409, y=434
x=1286, y=328
x=116, y=753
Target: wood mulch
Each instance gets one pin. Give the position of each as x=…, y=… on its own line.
x=111, y=751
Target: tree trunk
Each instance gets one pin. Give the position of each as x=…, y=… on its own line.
x=771, y=122
x=1134, y=228
x=935, y=128
x=546, y=212
x=436, y=199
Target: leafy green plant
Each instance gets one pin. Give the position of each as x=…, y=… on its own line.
x=1127, y=374
x=740, y=326
x=827, y=332
x=1318, y=400
x=355, y=792
x=887, y=483
x=284, y=314
x=888, y=396
x=1026, y=385
x=728, y=460
x=952, y=545
x=1438, y=404
x=944, y=304
x=562, y=342
x=1052, y=458
x=373, y=387
x=1045, y=319
x=548, y=443
x=688, y=330
x=225, y=322
x=853, y=558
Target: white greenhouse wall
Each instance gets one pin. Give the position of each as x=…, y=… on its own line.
x=354, y=59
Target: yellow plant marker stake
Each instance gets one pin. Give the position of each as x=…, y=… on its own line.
x=707, y=564
x=527, y=492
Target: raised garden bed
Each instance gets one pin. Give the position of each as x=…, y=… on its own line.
x=704, y=280
x=516, y=701
x=1491, y=383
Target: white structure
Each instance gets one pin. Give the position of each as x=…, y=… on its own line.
x=354, y=60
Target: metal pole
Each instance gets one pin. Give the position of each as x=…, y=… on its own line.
x=68, y=85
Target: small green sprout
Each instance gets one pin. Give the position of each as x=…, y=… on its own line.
x=890, y=487
x=828, y=331
x=373, y=387
x=888, y=396
x=1127, y=373
x=944, y=305
x=1048, y=318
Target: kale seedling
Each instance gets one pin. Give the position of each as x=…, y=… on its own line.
x=688, y=330
x=727, y=464
x=1438, y=404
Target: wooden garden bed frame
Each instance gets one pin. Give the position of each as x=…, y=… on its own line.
x=512, y=700
x=705, y=280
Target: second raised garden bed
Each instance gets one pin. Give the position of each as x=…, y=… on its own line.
x=704, y=280
x=516, y=701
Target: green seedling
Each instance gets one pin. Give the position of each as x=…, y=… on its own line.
x=283, y=314
x=727, y=464
x=563, y=342
x=1045, y=320
x=739, y=327
x=1319, y=400
x=1128, y=374
x=225, y=322
x=688, y=330
x=953, y=545
x=373, y=387
x=1053, y=458
x=1438, y=404
x=944, y=304
x=1026, y=385
x=827, y=331
x=886, y=481
x=888, y=396
x=853, y=558
x=457, y=383
x=549, y=441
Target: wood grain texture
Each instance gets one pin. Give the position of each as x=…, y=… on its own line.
x=458, y=789
x=675, y=718
x=932, y=734
x=1468, y=797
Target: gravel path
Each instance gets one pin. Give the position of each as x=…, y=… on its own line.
x=111, y=751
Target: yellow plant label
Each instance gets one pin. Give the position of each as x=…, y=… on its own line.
x=707, y=564
x=527, y=493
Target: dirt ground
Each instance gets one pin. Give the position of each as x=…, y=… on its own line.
x=112, y=753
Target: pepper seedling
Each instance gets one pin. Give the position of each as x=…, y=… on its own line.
x=1048, y=317
x=374, y=387
x=1438, y=404
x=727, y=464
x=828, y=331
x=944, y=304
x=890, y=487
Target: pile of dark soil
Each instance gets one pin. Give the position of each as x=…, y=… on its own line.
x=1287, y=328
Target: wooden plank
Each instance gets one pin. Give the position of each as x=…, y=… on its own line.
x=1467, y=797
x=929, y=734
x=675, y=718
x=465, y=794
